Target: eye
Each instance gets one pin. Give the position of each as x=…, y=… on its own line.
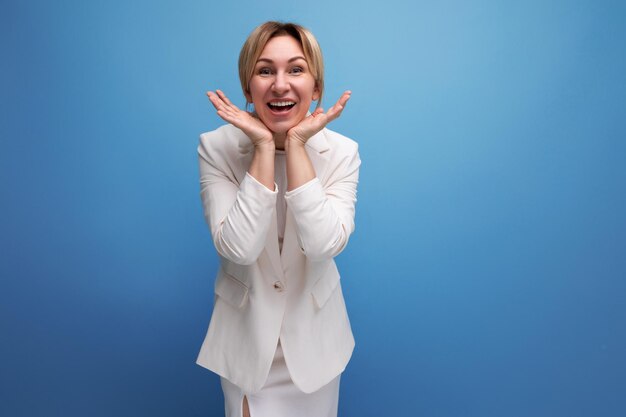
x=264, y=71
x=297, y=70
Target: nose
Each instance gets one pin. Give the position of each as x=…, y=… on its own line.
x=281, y=84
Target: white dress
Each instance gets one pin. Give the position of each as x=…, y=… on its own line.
x=279, y=397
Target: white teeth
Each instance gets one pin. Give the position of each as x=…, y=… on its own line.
x=282, y=103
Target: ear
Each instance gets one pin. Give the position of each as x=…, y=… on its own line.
x=316, y=93
x=248, y=96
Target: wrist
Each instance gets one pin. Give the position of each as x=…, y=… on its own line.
x=295, y=141
x=265, y=146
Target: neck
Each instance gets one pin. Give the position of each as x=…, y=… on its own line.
x=279, y=140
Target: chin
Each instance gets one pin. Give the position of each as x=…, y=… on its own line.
x=281, y=128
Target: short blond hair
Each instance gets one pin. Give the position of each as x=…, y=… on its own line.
x=254, y=45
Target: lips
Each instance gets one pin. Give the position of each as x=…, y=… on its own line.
x=282, y=106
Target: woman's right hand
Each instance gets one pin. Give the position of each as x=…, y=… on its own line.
x=254, y=128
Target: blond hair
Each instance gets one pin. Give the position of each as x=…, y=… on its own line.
x=254, y=45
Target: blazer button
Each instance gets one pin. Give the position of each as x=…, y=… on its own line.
x=278, y=286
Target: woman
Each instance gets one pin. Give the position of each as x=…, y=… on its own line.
x=278, y=191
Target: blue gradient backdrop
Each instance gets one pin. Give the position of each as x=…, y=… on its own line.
x=487, y=274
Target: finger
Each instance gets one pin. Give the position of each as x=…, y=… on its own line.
x=215, y=100
x=345, y=97
x=225, y=99
x=223, y=111
x=226, y=111
x=336, y=110
x=218, y=98
x=225, y=116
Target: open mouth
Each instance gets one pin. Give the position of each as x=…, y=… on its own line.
x=281, y=106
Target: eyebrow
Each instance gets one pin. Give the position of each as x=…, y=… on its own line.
x=295, y=58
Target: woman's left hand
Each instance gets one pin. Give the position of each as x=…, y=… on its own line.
x=316, y=121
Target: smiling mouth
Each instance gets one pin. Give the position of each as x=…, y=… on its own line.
x=281, y=106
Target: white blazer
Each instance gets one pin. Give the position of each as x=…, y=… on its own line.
x=262, y=294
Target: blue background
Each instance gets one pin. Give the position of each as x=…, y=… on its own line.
x=487, y=274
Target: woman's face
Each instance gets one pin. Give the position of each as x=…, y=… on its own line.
x=282, y=86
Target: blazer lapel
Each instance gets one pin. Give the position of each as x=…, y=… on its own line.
x=317, y=148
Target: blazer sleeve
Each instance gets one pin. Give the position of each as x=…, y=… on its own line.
x=324, y=215
x=239, y=215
